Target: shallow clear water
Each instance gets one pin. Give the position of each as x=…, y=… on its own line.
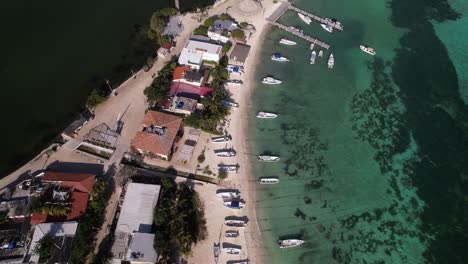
x=355, y=181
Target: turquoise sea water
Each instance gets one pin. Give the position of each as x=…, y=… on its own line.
x=373, y=151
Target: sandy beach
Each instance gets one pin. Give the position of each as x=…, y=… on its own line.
x=237, y=124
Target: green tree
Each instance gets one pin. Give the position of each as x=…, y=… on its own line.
x=227, y=46
x=94, y=98
x=160, y=86
x=222, y=174
x=238, y=34
x=209, y=21
x=243, y=25
x=224, y=16
x=44, y=248
x=201, y=157
x=201, y=30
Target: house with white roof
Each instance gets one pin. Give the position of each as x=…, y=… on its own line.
x=133, y=241
x=221, y=30
x=195, y=52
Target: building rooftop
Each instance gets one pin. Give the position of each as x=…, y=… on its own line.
x=190, y=57
x=63, y=232
x=160, y=131
x=82, y=182
x=203, y=46
x=184, y=102
x=226, y=24
x=102, y=135
x=239, y=53
x=181, y=87
x=179, y=72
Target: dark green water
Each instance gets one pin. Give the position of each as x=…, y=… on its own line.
x=374, y=151
x=53, y=53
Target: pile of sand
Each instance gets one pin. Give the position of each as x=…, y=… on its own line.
x=246, y=8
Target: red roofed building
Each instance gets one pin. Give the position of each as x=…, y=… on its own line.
x=186, y=75
x=158, y=135
x=72, y=189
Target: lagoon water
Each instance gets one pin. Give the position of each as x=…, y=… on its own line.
x=373, y=151
x=54, y=53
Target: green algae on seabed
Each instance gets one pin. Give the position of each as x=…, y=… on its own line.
x=355, y=162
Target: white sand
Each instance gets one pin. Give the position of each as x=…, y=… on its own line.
x=250, y=238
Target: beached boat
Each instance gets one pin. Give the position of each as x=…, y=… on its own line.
x=327, y=27
x=268, y=180
x=268, y=158
x=234, y=81
x=231, y=233
x=320, y=53
x=235, y=223
x=229, y=103
x=221, y=139
x=235, y=69
x=368, y=50
x=245, y=261
x=312, y=57
x=287, y=42
x=226, y=194
x=288, y=243
x=235, y=204
x=225, y=153
x=231, y=250
x=331, y=61
x=278, y=57
x=270, y=80
x=304, y=18
x=312, y=46
x=266, y=115
x=224, y=167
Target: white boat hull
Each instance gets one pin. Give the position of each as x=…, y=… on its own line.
x=327, y=27
x=269, y=181
x=289, y=243
x=304, y=18
x=287, y=42
x=368, y=50
x=264, y=115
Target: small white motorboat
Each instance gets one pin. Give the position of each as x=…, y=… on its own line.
x=304, y=18
x=228, y=194
x=221, y=139
x=266, y=115
x=235, y=223
x=327, y=27
x=367, y=50
x=268, y=158
x=269, y=180
x=288, y=243
x=287, y=42
x=224, y=167
x=313, y=55
x=331, y=61
x=234, y=81
x=229, y=103
x=231, y=233
x=312, y=46
x=234, y=204
x=234, y=251
x=225, y=153
x=278, y=57
x=271, y=80
x=320, y=53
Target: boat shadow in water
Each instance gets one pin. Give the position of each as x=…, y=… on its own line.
x=299, y=235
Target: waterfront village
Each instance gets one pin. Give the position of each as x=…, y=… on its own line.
x=143, y=165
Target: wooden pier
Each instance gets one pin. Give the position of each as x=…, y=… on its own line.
x=280, y=11
x=335, y=24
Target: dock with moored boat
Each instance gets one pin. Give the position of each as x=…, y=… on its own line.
x=272, y=19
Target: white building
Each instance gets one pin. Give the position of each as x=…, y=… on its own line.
x=195, y=52
x=221, y=30
x=133, y=238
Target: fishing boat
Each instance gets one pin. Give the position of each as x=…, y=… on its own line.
x=312, y=45
x=270, y=80
x=331, y=61
x=304, y=18
x=231, y=233
x=235, y=223
x=245, y=261
x=235, y=204
x=226, y=194
x=229, y=103
x=221, y=139
x=266, y=115
x=234, y=81
x=288, y=243
x=327, y=27
x=367, y=50
x=278, y=57
x=320, y=53
x=225, y=153
x=231, y=250
x=312, y=57
x=287, y=42
x=268, y=158
x=269, y=180
x=224, y=167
